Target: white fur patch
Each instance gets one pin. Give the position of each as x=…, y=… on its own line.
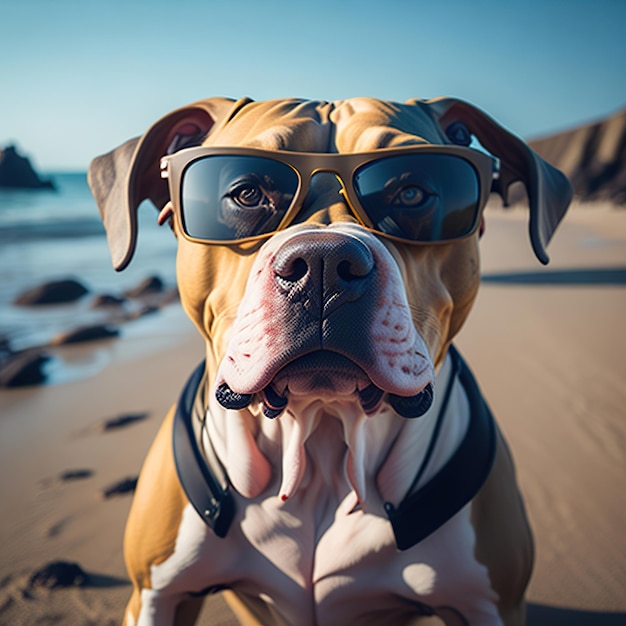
x=170, y=574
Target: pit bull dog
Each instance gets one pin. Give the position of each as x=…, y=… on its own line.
x=332, y=461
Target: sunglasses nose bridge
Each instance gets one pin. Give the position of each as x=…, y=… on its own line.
x=343, y=192
x=324, y=198
x=340, y=177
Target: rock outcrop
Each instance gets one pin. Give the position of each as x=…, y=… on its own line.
x=16, y=172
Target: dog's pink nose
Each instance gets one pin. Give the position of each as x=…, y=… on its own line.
x=325, y=269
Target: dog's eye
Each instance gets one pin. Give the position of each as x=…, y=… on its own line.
x=409, y=196
x=252, y=205
x=248, y=195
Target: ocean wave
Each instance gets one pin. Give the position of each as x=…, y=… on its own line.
x=37, y=230
x=68, y=212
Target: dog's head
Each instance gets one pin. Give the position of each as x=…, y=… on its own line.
x=328, y=284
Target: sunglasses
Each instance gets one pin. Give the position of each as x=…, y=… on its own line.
x=416, y=194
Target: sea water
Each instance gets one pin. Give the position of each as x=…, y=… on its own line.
x=48, y=235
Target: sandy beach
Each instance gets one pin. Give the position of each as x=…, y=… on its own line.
x=547, y=347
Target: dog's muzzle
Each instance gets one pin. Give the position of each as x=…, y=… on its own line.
x=325, y=315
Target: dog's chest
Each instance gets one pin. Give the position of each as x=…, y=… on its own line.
x=334, y=567
x=354, y=569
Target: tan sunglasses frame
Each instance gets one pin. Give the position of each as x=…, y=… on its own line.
x=343, y=165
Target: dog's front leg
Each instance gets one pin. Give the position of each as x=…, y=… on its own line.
x=143, y=609
x=152, y=531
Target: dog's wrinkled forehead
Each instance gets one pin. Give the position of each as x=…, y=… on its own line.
x=363, y=124
x=354, y=125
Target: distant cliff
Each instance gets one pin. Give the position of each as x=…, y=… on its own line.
x=16, y=172
x=593, y=156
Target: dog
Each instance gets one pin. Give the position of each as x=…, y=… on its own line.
x=332, y=461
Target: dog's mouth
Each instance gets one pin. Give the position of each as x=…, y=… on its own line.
x=324, y=374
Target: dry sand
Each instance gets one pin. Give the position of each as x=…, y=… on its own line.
x=548, y=349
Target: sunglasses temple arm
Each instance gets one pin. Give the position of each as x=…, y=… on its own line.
x=165, y=214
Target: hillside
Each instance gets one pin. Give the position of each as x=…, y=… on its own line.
x=593, y=156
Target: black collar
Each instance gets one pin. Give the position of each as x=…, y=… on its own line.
x=210, y=496
x=415, y=518
x=459, y=480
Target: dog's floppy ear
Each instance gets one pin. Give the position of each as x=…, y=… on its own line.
x=123, y=178
x=549, y=191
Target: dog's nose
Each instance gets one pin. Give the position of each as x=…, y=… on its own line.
x=323, y=268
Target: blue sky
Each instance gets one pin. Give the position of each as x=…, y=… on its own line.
x=78, y=77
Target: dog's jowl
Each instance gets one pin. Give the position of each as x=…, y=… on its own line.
x=332, y=461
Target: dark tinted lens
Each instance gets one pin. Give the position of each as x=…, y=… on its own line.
x=233, y=197
x=421, y=197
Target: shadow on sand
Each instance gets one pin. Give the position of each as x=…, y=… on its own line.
x=604, y=276
x=540, y=615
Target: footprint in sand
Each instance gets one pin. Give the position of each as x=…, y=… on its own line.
x=122, y=421
x=120, y=488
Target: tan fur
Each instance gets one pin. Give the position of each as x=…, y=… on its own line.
x=147, y=544
x=503, y=537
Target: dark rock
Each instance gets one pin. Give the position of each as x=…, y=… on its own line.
x=123, y=420
x=23, y=369
x=16, y=172
x=146, y=287
x=78, y=474
x=59, y=574
x=106, y=300
x=123, y=487
x=54, y=292
x=85, y=334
